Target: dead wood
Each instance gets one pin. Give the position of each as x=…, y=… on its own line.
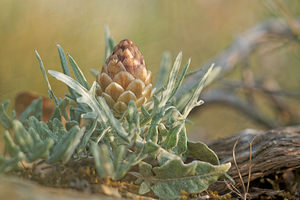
x=273, y=151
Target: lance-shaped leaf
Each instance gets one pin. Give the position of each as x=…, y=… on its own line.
x=133, y=120
x=50, y=91
x=5, y=120
x=181, y=146
x=85, y=95
x=87, y=136
x=64, y=65
x=175, y=176
x=30, y=143
x=11, y=163
x=193, y=101
x=41, y=128
x=64, y=149
x=166, y=94
x=164, y=68
x=78, y=73
x=112, y=120
x=104, y=164
x=180, y=79
x=35, y=109
x=13, y=150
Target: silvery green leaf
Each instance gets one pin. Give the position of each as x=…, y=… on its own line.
x=145, y=187
x=145, y=169
x=152, y=133
x=63, y=60
x=118, y=157
x=41, y=128
x=75, y=114
x=10, y=146
x=109, y=43
x=103, y=162
x=50, y=91
x=85, y=96
x=22, y=137
x=172, y=137
x=64, y=65
x=112, y=120
x=62, y=107
x=171, y=80
x=175, y=176
x=35, y=109
x=181, y=146
x=4, y=118
x=101, y=134
x=64, y=149
x=133, y=120
x=180, y=79
x=164, y=156
x=200, y=151
x=11, y=163
x=57, y=128
x=78, y=73
x=193, y=101
x=86, y=137
x=164, y=68
x=30, y=143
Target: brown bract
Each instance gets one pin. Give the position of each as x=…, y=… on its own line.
x=124, y=77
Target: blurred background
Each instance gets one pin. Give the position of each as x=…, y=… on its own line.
x=200, y=29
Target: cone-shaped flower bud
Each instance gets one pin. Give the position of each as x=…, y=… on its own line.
x=124, y=77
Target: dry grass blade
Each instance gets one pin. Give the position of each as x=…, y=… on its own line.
x=236, y=166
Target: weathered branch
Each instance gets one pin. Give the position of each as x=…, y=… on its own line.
x=230, y=99
x=272, y=151
x=242, y=47
x=238, y=52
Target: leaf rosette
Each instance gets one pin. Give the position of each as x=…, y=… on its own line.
x=121, y=121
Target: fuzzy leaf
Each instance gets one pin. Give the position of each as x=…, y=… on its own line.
x=144, y=187
x=200, y=151
x=12, y=163
x=10, y=146
x=193, y=101
x=30, y=143
x=85, y=96
x=64, y=149
x=64, y=65
x=4, y=118
x=181, y=146
x=50, y=91
x=41, y=128
x=172, y=137
x=180, y=79
x=35, y=109
x=112, y=120
x=164, y=68
x=78, y=73
x=133, y=120
x=175, y=176
x=103, y=162
x=166, y=94
x=87, y=136
x=62, y=107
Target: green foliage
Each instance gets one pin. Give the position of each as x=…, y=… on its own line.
x=153, y=138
